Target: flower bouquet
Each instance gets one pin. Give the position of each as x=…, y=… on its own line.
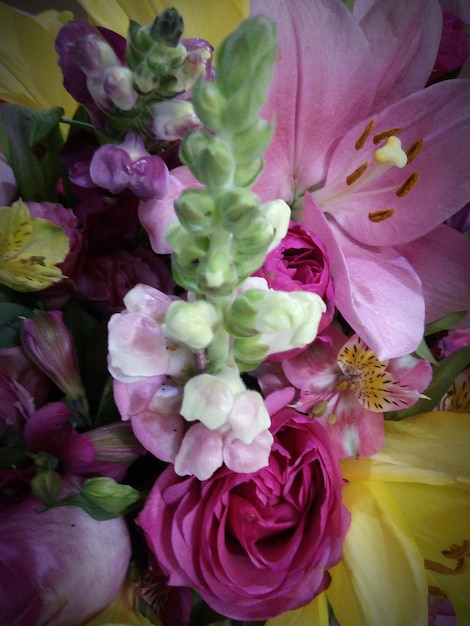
x=234, y=329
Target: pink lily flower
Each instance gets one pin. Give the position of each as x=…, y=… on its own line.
x=369, y=160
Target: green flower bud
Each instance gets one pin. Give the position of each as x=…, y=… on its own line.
x=208, y=157
x=256, y=238
x=47, y=485
x=278, y=213
x=241, y=315
x=191, y=323
x=185, y=245
x=195, y=209
x=249, y=352
x=216, y=273
x=167, y=27
x=209, y=104
x=108, y=494
x=239, y=207
x=248, y=52
x=251, y=142
x=247, y=173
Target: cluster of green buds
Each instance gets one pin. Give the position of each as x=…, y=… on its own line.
x=223, y=233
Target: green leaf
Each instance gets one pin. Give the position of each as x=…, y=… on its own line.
x=444, y=323
x=11, y=323
x=423, y=352
x=33, y=141
x=444, y=374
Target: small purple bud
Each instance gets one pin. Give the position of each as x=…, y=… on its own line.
x=49, y=344
x=173, y=118
x=118, y=86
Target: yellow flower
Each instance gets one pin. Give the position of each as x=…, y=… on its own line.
x=124, y=610
x=410, y=529
x=29, y=74
x=30, y=248
x=208, y=19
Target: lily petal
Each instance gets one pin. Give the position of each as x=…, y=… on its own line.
x=376, y=290
x=428, y=190
x=430, y=448
x=382, y=564
x=303, y=98
x=404, y=50
x=29, y=74
x=440, y=522
x=212, y=20
x=314, y=613
x=442, y=260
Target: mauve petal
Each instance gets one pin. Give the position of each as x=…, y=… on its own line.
x=377, y=291
x=67, y=565
x=111, y=168
x=440, y=116
x=200, y=453
x=442, y=261
x=317, y=41
x=404, y=38
x=159, y=434
x=149, y=178
x=246, y=458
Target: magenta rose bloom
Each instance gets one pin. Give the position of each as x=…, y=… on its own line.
x=300, y=262
x=254, y=545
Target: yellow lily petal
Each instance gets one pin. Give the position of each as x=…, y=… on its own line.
x=383, y=574
x=315, y=613
x=439, y=519
x=123, y=611
x=209, y=19
x=431, y=448
x=29, y=74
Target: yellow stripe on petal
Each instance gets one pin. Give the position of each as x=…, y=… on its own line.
x=209, y=19
x=439, y=519
x=315, y=613
x=430, y=448
x=29, y=73
x=387, y=579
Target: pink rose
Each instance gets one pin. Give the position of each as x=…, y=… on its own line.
x=59, y=566
x=300, y=263
x=256, y=544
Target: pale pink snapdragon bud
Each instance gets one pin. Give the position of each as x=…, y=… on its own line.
x=172, y=119
x=118, y=85
x=48, y=342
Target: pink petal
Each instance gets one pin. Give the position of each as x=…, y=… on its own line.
x=377, y=291
x=440, y=116
x=317, y=42
x=404, y=38
x=247, y=458
x=442, y=260
x=160, y=434
x=200, y=453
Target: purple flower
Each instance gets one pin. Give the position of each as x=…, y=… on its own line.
x=130, y=166
x=255, y=544
x=60, y=566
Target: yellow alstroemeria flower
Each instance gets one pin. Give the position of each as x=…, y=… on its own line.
x=29, y=73
x=30, y=249
x=212, y=20
x=410, y=529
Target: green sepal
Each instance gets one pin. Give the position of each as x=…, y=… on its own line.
x=444, y=323
x=444, y=374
